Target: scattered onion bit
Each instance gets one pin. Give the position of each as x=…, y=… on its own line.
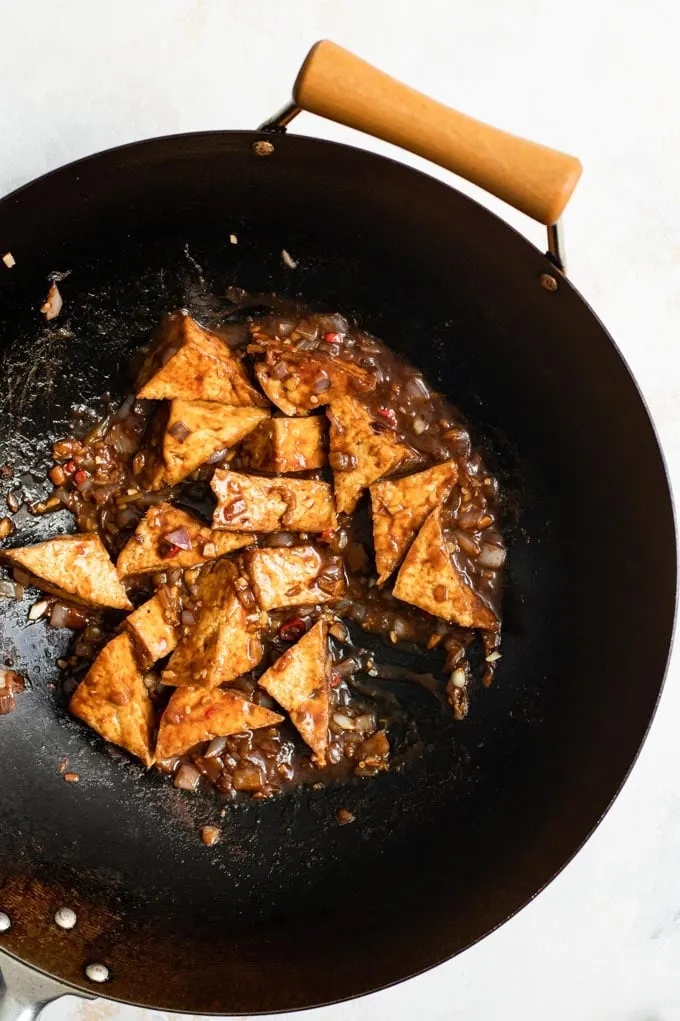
x=288, y=259
x=180, y=538
x=53, y=303
x=210, y=835
x=9, y=260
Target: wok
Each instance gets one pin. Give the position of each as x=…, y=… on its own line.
x=290, y=910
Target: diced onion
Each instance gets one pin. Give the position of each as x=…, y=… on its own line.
x=491, y=556
x=38, y=609
x=179, y=537
x=215, y=748
x=179, y=431
x=459, y=678
x=53, y=303
x=344, y=722
x=187, y=777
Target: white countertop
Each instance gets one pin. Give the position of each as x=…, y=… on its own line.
x=598, y=78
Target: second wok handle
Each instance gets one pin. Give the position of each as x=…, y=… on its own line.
x=336, y=84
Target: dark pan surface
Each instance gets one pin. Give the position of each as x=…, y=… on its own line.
x=290, y=909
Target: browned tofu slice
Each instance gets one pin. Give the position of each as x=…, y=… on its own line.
x=252, y=503
x=73, y=567
x=428, y=578
x=297, y=381
x=299, y=681
x=224, y=642
x=154, y=629
x=286, y=445
x=188, y=361
x=362, y=451
x=294, y=576
x=113, y=700
x=198, y=429
x=399, y=508
x=147, y=551
x=194, y=715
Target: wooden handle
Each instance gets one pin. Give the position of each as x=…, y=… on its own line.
x=334, y=83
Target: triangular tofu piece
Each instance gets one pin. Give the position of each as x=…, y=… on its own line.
x=299, y=681
x=399, y=508
x=223, y=643
x=428, y=578
x=362, y=450
x=194, y=715
x=253, y=503
x=188, y=361
x=154, y=627
x=113, y=700
x=198, y=429
x=147, y=551
x=298, y=380
x=286, y=445
x=294, y=576
x=73, y=567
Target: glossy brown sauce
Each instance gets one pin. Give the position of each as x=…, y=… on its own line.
x=100, y=479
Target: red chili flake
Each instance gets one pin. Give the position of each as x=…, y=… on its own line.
x=210, y=711
x=81, y=476
x=292, y=630
x=335, y=678
x=389, y=415
x=328, y=534
x=172, y=551
x=333, y=338
x=70, y=467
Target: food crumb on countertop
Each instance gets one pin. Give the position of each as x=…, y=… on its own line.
x=71, y=777
x=9, y=260
x=344, y=816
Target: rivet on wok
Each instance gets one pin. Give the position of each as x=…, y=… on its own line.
x=5, y=922
x=548, y=282
x=65, y=918
x=263, y=148
x=97, y=972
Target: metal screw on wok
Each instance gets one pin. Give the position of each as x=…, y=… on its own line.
x=548, y=282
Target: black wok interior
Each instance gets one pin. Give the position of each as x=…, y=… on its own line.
x=289, y=909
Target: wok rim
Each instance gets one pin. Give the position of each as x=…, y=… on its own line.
x=19, y=193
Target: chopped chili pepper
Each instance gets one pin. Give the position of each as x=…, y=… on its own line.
x=172, y=551
x=292, y=630
x=70, y=467
x=335, y=678
x=81, y=476
x=210, y=711
x=327, y=534
x=333, y=338
x=389, y=415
